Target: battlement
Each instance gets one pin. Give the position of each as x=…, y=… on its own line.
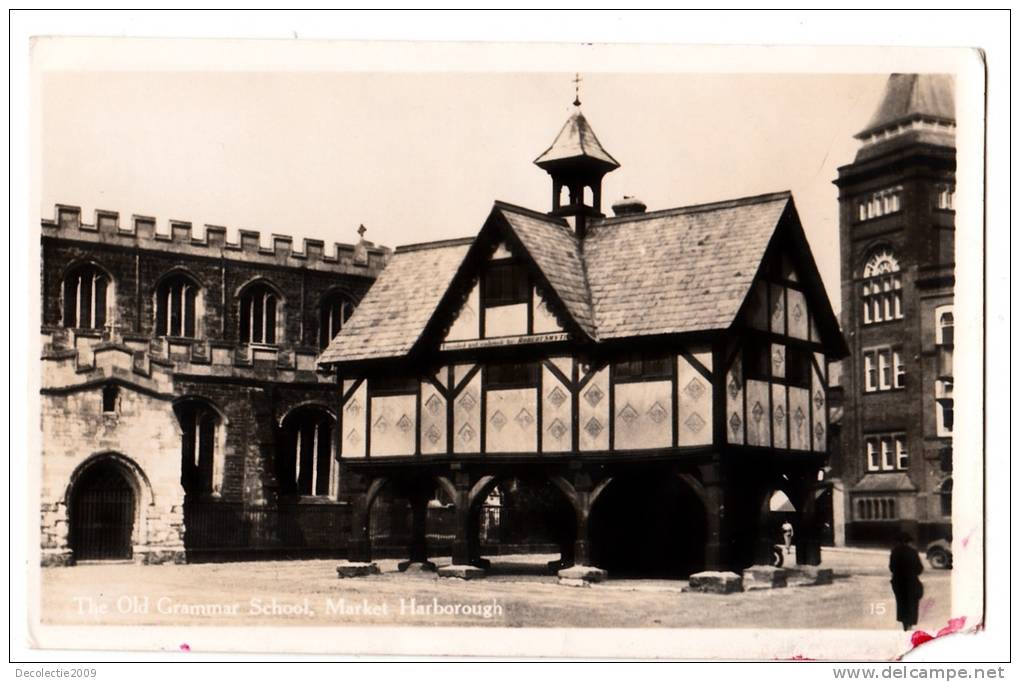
x=71, y=358
x=364, y=258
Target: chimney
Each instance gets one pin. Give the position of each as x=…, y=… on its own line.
x=629, y=205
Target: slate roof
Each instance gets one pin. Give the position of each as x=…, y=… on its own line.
x=912, y=95
x=576, y=140
x=665, y=272
x=401, y=301
x=680, y=270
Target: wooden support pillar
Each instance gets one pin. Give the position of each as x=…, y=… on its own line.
x=462, y=545
x=807, y=537
x=717, y=540
x=359, y=546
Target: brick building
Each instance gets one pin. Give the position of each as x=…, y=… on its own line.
x=663, y=373
x=896, y=243
x=182, y=409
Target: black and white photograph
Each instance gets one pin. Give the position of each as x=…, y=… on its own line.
x=347, y=348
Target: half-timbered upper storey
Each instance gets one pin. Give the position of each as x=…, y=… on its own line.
x=570, y=333
x=686, y=328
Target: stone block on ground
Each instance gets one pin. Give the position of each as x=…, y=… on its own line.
x=804, y=575
x=763, y=577
x=715, y=582
x=356, y=569
x=464, y=572
x=581, y=576
x=416, y=567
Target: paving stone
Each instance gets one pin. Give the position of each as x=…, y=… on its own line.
x=763, y=577
x=804, y=575
x=356, y=569
x=581, y=574
x=715, y=582
x=414, y=567
x=461, y=571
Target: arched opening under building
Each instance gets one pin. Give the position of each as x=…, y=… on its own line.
x=391, y=520
x=102, y=508
x=305, y=460
x=648, y=525
x=526, y=516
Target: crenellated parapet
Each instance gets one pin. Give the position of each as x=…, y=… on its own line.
x=364, y=258
x=72, y=358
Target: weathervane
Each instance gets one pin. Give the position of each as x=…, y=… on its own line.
x=577, y=89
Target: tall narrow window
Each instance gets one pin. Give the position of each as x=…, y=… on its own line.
x=882, y=288
x=200, y=425
x=306, y=462
x=258, y=313
x=946, y=497
x=85, y=298
x=899, y=373
x=884, y=370
x=902, y=458
x=944, y=326
x=873, y=463
x=110, y=395
x=177, y=307
x=333, y=312
x=870, y=372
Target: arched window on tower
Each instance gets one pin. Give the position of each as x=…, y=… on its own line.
x=333, y=313
x=178, y=306
x=946, y=497
x=260, y=307
x=882, y=288
x=86, y=298
x=305, y=462
x=201, y=427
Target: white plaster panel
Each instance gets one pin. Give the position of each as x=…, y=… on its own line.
x=511, y=420
x=556, y=422
x=797, y=314
x=393, y=425
x=544, y=321
x=593, y=410
x=780, y=415
x=735, y=403
x=467, y=411
x=644, y=415
x=820, y=407
x=777, y=318
x=800, y=419
x=506, y=320
x=466, y=325
x=759, y=430
x=694, y=405
x=353, y=415
x=433, y=420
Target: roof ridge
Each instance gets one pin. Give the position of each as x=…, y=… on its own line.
x=514, y=208
x=438, y=244
x=698, y=208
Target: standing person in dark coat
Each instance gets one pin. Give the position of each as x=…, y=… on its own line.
x=905, y=566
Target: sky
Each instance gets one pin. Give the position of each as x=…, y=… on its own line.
x=422, y=156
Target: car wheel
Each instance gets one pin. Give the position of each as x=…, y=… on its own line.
x=939, y=558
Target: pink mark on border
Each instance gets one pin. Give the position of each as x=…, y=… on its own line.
x=185, y=647
x=919, y=637
x=966, y=541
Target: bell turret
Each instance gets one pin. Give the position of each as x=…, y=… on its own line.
x=577, y=162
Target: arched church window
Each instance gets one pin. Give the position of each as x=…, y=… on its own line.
x=259, y=313
x=882, y=288
x=86, y=294
x=306, y=460
x=944, y=326
x=334, y=311
x=178, y=302
x=200, y=431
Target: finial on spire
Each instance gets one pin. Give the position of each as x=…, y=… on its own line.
x=577, y=89
x=362, y=230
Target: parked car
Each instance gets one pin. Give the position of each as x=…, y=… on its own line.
x=940, y=554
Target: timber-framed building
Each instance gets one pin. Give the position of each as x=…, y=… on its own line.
x=664, y=371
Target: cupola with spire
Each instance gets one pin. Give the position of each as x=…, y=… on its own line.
x=916, y=108
x=577, y=162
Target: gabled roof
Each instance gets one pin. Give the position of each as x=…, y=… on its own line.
x=677, y=271
x=555, y=250
x=910, y=96
x=680, y=270
x=576, y=140
x=400, y=303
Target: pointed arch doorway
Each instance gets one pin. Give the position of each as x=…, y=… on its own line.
x=103, y=506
